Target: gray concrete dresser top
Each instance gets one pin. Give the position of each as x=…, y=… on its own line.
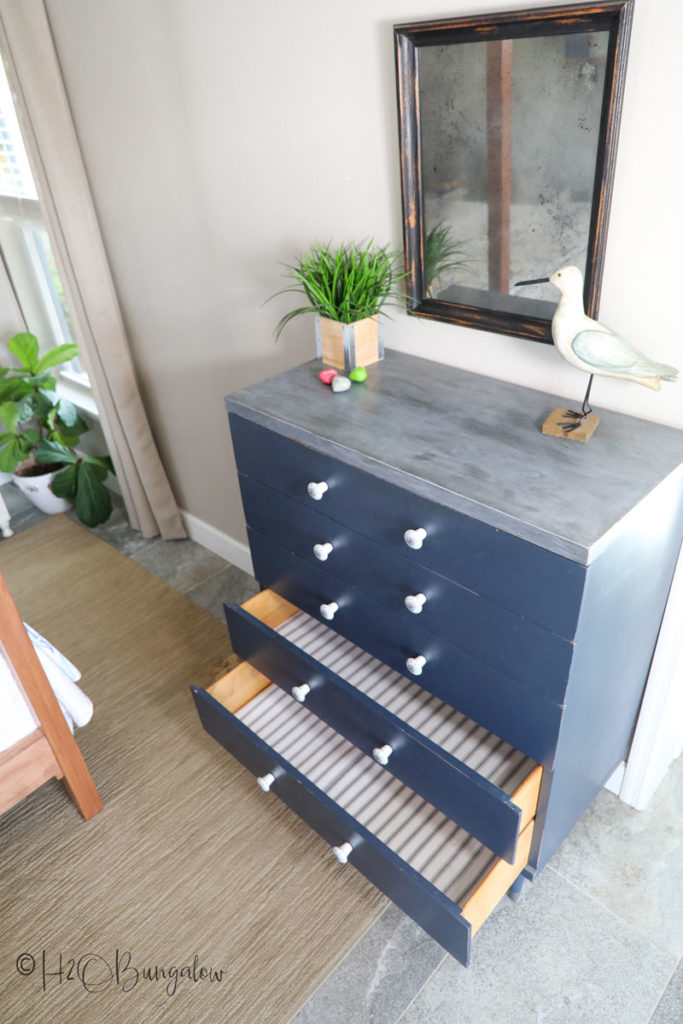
x=474, y=444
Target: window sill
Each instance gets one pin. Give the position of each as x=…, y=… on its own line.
x=73, y=387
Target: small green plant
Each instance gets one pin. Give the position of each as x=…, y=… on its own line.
x=43, y=428
x=346, y=284
x=442, y=253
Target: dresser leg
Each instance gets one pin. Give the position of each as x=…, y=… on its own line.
x=515, y=890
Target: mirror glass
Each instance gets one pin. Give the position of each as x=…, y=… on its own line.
x=508, y=129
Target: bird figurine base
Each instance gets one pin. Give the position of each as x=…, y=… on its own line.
x=571, y=425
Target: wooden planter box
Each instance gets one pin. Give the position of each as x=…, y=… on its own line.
x=347, y=345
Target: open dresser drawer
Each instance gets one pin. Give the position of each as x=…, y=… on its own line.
x=379, y=813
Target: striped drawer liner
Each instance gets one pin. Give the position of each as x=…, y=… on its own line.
x=431, y=843
x=479, y=749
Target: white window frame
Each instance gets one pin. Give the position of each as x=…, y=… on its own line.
x=29, y=275
x=26, y=258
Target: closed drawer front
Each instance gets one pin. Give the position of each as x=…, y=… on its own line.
x=429, y=867
x=515, y=713
x=514, y=645
x=523, y=577
x=452, y=762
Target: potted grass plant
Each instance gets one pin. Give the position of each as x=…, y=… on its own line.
x=42, y=429
x=346, y=288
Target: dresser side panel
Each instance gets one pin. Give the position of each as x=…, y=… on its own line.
x=624, y=601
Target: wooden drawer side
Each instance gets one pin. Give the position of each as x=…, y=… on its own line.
x=493, y=887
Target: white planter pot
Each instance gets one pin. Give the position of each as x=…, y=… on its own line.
x=37, y=490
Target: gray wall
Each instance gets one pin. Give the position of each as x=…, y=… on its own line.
x=221, y=137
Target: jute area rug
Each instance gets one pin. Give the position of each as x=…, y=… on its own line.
x=193, y=897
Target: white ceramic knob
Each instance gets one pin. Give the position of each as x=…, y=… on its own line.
x=414, y=538
x=416, y=664
x=316, y=490
x=382, y=754
x=266, y=781
x=301, y=692
x=342, y=852
x=415, y=603
x=322, y=551
x=328, y=611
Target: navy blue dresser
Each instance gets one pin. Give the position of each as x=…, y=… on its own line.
x=456, y=622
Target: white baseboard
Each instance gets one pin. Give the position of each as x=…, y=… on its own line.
x=222, y=544
x=615, y=780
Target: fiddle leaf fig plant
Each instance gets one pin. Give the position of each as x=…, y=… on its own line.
x=17, y=442
x=43, y=429
x=81, y=481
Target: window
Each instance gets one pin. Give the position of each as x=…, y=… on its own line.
x=25, y=248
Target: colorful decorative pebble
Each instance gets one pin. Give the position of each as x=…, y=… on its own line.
x=358, y=373
x=327, y=376
x=340, y=383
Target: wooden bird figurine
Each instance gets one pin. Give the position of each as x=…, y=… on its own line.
x=590, y=345
x=594, y=347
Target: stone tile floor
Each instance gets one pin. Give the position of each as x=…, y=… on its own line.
x=597, y=938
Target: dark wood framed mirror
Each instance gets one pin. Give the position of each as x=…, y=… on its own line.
x=508, y=128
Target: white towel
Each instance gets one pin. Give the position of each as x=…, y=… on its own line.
x=73, y=702
x=63, y=676
x=17, y=718
x=41, y=644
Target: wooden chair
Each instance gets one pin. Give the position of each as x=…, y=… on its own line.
x=51, y=750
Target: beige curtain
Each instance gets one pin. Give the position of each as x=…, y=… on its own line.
x=52, y=145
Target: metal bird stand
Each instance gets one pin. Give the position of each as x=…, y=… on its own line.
x=577, y=426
